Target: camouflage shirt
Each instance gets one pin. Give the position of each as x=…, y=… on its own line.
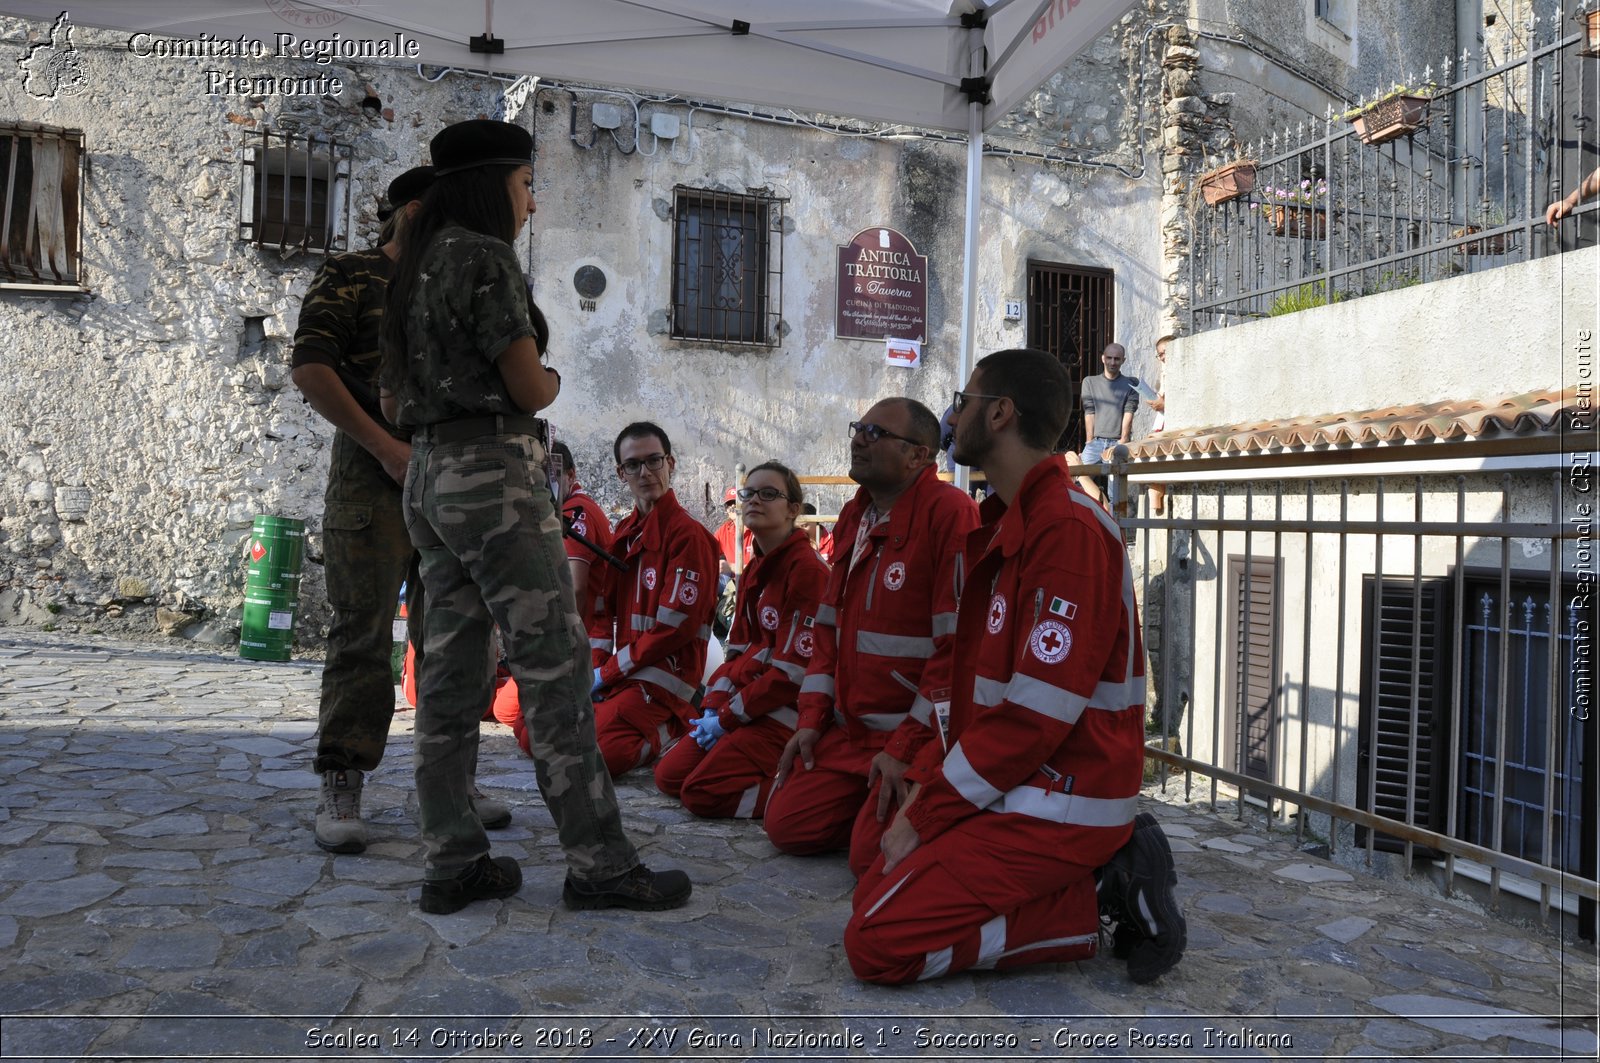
x=340, y=318
x=471, y=303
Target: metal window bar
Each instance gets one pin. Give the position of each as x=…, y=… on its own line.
x=1534, y=734
x=1331, y=218
x=297, y=194
x=727, y=267
x=27, y=258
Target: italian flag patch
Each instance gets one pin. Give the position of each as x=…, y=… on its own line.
x=1063, y=608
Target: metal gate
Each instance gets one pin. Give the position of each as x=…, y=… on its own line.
x=1070, y=316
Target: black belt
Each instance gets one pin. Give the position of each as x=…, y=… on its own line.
x=463, y=429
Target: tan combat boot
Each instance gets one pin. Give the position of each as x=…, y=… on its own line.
x=339, y=826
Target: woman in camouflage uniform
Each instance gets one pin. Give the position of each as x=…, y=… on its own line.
x=462, y=349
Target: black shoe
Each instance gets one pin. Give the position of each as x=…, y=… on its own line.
x=641, y=889
x=487, y=879
x=1135, y=892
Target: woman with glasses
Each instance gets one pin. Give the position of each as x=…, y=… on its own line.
x=462, y=368
x=724, y=768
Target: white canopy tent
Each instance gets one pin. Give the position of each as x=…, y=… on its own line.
x=954, y=65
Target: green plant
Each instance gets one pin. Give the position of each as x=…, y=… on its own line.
x=48, y=627
x=1423, y=90
x=1306, y=194
x=1303, y=298
x=1487, y=215
x=1389, y=280
x=52, y=607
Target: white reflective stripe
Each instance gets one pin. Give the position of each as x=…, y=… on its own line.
x=763, y=655
x=873, y=721
x=786, y=716
x=826, y=614
x=961, y=775
x=736, y=706
x=935, y=965
x=988, y=692
x=885, y=898
x=747, y=803
x=1118, y=697
x=817, y=683
x=736, y=648
x=665, y=680
x=641, y=623
x=671, y=616
x=1049, y=943
x=795, y=672
x=663, y=739
x=722, y=684
x=1066, y=808
x=705, y=633
x=885, y=645
x=601, y=644
x=944, y=624
x=922, y=710
x=1046, y=699
x=624, y=660
x=991, y=943
x=1101, y=515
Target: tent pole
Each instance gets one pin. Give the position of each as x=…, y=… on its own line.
x=969, y=269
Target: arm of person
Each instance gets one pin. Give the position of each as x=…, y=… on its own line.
x=776, y=683
x=953, y=517
x=1130, y=406
x=682, y=615
x=326, y=393
x=1589, y=186
x=579, y=567
x=1004, y=746
x=531, y=384
x=1127, y=427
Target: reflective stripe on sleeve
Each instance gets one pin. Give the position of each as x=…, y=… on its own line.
x=641, y=623
x=795, y=672
x=944, y=624
x=670, y=616
x=602, y=644
x=786, y=716
x=1066, y=808
x=817, y=683
x=922, y=711
x=1046, y=699
x=826, y=614
x=960, y=774
x=736, y=706
x=624, y=660
x=884, y=645
x=665, y=680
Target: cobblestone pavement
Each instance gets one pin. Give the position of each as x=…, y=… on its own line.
x=161, y=898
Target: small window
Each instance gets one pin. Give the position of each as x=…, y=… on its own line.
x=296, y=193
x=727, y=267
x=40, y=206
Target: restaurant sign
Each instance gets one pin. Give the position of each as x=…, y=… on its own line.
x=883, y=288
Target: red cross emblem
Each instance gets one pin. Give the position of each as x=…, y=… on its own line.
x=1051, y=641
x=997, y=614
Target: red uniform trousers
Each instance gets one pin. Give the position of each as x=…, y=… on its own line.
x=732, y=779
x=632, y=726
x=829, y=807
x=994, y=891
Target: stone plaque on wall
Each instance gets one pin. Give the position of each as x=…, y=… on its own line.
x=883, y=288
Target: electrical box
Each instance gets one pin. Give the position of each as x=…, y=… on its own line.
x=664, y=126
x=1013, y=309
x=606, y=116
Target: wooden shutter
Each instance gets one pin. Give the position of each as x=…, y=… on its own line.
x=1253, y=664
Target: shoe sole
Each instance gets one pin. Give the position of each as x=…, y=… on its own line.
x=343, y=848
x=586, y=902
x=1152, y=843
x=496, y=824
x=449, y=904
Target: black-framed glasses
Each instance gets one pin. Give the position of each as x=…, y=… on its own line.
x=875, y=432
x=959, y=402
x=632, y=466
x=766, y=494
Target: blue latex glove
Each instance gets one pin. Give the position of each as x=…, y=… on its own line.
x=598, y=683
x=707, y=729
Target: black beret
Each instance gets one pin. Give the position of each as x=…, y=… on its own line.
x=412, y=184
x=480, y=142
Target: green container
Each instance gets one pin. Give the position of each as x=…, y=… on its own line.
x=272, y=588
x=277, y=547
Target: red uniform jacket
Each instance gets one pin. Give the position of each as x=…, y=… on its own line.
x=725, y=543
x=1047, y=718
x=591, y=522
x=885, y=624
x=772, y=638
x=663, y=604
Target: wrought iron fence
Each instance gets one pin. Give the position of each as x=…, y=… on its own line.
x=1327, y=217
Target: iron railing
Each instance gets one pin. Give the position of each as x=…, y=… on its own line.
x=1332, y=218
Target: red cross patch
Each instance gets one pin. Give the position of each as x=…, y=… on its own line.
x=650, y=578
x=997, y=614
x=803, y=644
x=688, y=593
x=1051, y=641
x=769, y=618
x=895, y=577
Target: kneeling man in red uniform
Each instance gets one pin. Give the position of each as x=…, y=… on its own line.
x=662, y=607
x=1019, y=830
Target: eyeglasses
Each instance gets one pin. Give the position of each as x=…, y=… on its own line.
x=959, y=402
x=766, y=494
x=875, y=432
x=632, y=466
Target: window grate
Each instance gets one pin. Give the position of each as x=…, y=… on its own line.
x=295, y=192
x=1070, y=315
x=727, y=267
x=40, y=206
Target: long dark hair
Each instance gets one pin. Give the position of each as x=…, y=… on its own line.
x=474, y=199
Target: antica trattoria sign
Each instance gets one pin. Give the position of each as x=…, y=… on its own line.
x=883, y=288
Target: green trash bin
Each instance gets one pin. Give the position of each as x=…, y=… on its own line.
x=272, y=588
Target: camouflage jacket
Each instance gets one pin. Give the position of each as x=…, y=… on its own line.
x=340, y=319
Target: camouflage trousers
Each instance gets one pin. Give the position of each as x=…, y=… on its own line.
x=366, y=555
x=491, y=549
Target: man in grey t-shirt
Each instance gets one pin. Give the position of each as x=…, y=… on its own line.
x=1109, y=401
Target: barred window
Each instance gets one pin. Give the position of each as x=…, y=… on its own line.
x=727, y=267
x=296, y=193
x=41, y=197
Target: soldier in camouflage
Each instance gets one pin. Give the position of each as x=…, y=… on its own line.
x=366, y=552
x=461, y=367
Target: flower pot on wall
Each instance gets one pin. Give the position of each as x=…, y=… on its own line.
x=1307, y=222
x=1392, y=118
x=1228, y=182
x=1489, y=245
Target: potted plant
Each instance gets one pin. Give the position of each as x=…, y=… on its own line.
x=1227, y=182
x=1303, y=298
x=1400, y=112
x=1487, y=216
x=1296, y=210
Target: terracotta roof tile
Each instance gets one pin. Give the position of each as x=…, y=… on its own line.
x=1535, y=413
